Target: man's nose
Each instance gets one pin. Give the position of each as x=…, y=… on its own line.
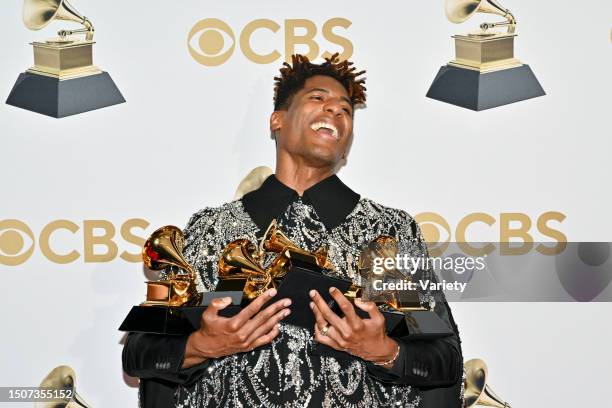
x=333, y=106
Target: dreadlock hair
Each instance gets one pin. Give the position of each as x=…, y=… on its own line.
x=292, y=79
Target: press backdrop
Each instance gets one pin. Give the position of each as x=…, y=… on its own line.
x=80, y=194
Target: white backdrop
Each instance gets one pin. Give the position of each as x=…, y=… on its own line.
x=189, y=133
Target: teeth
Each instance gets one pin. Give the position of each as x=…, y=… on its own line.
x=318, y=125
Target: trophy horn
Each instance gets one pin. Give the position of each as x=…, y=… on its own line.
x=165, y=248
x=477, y=391
x=458, y=11
x=238, y=261
x=275, y=240
x=37, y=14
x=62, y=377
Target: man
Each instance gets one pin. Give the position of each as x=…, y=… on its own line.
x=253, y=358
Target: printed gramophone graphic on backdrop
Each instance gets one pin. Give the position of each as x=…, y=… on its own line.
x=477, y=391
x=63, y=80
x=61, y=383
x=485, y=74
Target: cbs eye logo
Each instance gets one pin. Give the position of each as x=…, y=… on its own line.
x=96, y=241
x=211, y=42
x=13, y=242
x=512, y=226
x=433, y=228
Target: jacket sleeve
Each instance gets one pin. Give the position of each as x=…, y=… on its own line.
x=158, y=356
x=147, y=355
x=428, y=363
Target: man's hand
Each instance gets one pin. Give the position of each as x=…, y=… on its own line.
x=220, y=336
x=363, y=338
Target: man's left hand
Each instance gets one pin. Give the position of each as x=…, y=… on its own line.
x=363, y=338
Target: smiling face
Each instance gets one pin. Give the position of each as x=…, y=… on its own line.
x=317, y=127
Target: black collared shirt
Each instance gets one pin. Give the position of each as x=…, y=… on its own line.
x=331, y=199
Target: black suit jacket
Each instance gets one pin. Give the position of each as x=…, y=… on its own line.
x=157, y=360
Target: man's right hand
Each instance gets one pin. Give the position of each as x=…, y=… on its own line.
x=220, y=336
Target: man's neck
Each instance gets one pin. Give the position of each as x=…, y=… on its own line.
x=300, y=176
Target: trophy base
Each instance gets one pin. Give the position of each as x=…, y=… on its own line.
x=156, y=319
x=296, y=286
x=60, y=98
x=478, y=91
x=173, y=321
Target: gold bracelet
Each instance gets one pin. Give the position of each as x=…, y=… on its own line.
x=390, y=361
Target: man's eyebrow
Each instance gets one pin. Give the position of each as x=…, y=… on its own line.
x=344, y=98
x=317, y=90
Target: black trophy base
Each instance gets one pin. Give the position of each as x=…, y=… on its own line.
x=479, y=91
x=169, y=320
x=297, y=285
x=60, y=98
x=156, y=319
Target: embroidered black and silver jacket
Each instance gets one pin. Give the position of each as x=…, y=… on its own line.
x=285, y=373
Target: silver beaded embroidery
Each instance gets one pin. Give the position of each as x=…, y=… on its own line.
x=284, y=373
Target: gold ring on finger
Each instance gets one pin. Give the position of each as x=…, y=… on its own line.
x=324, y=330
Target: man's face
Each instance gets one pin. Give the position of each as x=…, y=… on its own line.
x=318, y=125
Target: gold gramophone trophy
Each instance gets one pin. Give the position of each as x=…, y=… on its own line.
x=63, y=81
x=174, y=306
x=485, y=73
x=275, y=240
x=385, y=247
x=164, y=250
x=241, y=276
x=162, y=311
x=293, y=271
x=404, y=311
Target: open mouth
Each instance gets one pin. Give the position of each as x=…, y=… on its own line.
x=325, y=129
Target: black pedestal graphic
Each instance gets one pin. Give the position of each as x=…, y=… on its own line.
x=479, y=91
x=55, y=98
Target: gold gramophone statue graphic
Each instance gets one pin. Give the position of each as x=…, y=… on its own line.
x=485, y=73
x=477, y=390
x=63, y=81
x=61, y=381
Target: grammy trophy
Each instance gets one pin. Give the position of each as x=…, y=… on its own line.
x=484, y=74
x=63, y=80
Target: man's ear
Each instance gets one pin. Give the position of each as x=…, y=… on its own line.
x=276, y=121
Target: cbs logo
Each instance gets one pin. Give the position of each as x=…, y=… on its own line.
x=512, y=227
x=212, y=42
x=98, y=242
